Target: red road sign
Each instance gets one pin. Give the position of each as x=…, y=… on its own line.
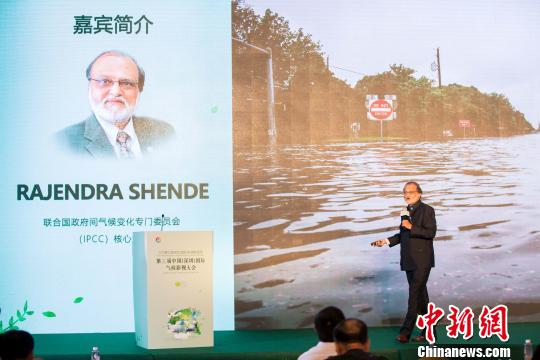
x=381, y=109
x=464, y=123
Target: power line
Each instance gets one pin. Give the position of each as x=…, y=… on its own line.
x=340, y=68
x=352, y=71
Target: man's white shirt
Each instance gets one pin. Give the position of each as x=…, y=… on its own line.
x=321, y=351
x=112, y=132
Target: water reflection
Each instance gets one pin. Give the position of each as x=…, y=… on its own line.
x=330, y=201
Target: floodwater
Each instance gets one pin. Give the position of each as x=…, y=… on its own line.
x=305, y=215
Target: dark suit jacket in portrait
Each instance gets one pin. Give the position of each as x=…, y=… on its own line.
x=417, y=244
x=88, y=138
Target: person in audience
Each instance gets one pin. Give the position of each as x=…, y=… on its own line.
x=536, y=355
x=16, y=345
x=324, y=322
x=352, y=341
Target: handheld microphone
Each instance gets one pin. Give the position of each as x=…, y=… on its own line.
x=405, y=214
x=162, y=221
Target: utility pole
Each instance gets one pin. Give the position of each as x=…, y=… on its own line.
x=439, y=67
x=272, y=131
x=271, y=98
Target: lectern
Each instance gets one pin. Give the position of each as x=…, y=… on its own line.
x=172, y=289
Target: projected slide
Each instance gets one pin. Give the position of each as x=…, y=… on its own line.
x=116, y=118
x=363, y=97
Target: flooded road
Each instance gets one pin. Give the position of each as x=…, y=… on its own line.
x=305, y=215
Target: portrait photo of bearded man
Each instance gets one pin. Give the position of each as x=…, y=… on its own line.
x=115, y=83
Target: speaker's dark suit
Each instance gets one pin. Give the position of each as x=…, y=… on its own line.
x=417, y=259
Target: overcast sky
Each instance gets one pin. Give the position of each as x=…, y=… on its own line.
x=492, y=45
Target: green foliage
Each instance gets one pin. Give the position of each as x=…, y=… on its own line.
x=290, y=49
x=20, y=316
x=49, y=314
x=23, y=315
x=186, y=312
x=315, y=106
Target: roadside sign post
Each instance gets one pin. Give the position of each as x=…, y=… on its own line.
x=464, y=123
x=381, y=109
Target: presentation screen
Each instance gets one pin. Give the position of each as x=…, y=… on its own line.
x=75, y=188
x=363, y=97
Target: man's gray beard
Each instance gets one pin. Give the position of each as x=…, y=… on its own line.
x=114, y=117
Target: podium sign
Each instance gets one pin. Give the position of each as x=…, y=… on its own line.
x=172, y=289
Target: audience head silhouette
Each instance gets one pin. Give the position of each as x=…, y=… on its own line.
x=325, y=322
x=16, y=345
x=351, y=334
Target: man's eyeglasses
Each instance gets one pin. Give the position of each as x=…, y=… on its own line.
x=410, y=192
x=107, y=83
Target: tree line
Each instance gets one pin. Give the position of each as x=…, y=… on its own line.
x=312, y=105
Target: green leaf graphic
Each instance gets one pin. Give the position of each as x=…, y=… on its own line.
x=78, y=300
x=49, y=314
x=186, y=312
x=11, y=321
x=25, y=306
x=29, y=313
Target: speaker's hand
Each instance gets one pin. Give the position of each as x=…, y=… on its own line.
x=380, y=243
